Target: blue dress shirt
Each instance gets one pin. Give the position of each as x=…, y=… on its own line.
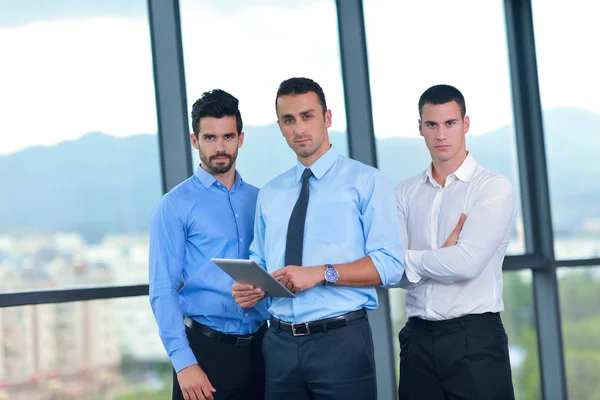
x=195, y=221
x=351, y=214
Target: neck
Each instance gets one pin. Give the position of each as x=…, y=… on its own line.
x=226, y=178
x=441, y=169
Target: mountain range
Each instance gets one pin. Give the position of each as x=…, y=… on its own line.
x=101, y=184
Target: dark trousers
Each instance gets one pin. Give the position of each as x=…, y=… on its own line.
x=337, y=364
x=236, y=372
x=463, y=358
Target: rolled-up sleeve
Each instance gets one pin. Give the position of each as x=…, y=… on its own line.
x=383, y=242
x=167, y=251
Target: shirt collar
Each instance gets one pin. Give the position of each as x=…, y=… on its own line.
x=467, y=169
x=319, y=167
x=208, y=180
x=464, y=172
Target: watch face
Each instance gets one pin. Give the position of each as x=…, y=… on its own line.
x=331, y=275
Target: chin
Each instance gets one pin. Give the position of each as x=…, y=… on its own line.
x=304, y=152
x=220, y=169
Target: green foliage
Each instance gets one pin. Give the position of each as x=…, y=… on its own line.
x=579, y=299
x=579, y=291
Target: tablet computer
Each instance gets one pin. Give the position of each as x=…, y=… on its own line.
x=247, y=271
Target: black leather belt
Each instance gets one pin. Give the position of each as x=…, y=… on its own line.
x=322, y=325
x=236, y=340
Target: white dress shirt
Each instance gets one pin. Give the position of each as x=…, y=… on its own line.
x=444, y=283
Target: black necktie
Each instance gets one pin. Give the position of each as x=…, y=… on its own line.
x=295, y=233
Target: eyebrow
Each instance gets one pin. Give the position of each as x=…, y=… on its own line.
x=303, y=112
x=445, y=122
x=213, y=134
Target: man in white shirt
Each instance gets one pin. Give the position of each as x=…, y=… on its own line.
x=454, y=345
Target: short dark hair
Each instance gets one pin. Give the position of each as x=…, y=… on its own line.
x=301, y=86
x=442, y=94
x=215, y=103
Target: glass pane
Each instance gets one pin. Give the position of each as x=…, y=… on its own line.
x=579, y=290
x=79, y=163
x=102, y=349
x=571, y=110
x=411, y=49
x=519, y=321
x=260, y=44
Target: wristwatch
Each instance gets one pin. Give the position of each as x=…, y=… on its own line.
x=331, y=275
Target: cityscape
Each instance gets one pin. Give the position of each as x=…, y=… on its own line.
x=94, y=233
x=108, y=348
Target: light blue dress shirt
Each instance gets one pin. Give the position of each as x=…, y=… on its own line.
x=351, y=214
x=197, y=220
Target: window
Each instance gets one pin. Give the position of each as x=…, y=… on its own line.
x=415, y=45
x=568, y=74
x=519, y=321
x=78, y=154
x=579, y=290
x=258, y=45
x=76, y=355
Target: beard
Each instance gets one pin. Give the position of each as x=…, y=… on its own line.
x=218, y=168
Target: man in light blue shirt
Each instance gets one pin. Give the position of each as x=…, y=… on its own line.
x=327, y=229
x=216, y=349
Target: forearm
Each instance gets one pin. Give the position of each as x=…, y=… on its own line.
x=360, y=273
x=171, y=328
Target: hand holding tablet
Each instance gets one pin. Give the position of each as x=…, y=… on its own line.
x=249, y=272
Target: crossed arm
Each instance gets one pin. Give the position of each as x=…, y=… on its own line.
x=488, y=221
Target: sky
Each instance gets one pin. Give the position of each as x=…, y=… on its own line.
x=69, y=68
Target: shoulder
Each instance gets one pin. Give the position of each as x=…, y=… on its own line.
x=280, y=182
x=410, y=185
x=177, y=198
x=363, y=174
x=250, y=190
x=490, y=181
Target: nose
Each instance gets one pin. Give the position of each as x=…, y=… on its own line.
x=440, y=134
x=300, y=127
x=220, y=145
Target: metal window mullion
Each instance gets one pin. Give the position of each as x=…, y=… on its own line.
x=170, y=92
x=535, y=194
x=361, y=145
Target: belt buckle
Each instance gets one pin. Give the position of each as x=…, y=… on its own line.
x=243, y=341
x=296, y=333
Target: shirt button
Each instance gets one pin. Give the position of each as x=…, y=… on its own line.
x=429, y=311
x=245, y=314
x=236, y=215
x=241, y=240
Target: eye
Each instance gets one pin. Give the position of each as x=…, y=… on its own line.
x=451, y=123
x=430, y=125
x=229, y=136
x=308, y=116
x=287, y=121
x=209, y=137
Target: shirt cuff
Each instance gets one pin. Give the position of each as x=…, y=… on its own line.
x=183, y=359
x=412, y=261
x=393, y=273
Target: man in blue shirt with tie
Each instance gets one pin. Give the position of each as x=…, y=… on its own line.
x=327, y=229
x=214, y=344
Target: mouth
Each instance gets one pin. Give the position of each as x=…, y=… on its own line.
x=302, y=140
x=442, y=147
x=220, y=158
